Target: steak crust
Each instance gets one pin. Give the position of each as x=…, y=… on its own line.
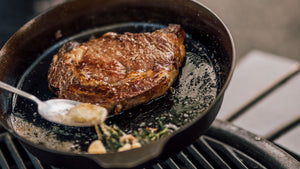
x=118, y=71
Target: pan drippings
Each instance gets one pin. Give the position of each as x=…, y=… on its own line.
x=194, y=90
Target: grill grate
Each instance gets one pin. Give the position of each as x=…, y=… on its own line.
x=14, y=156
x=206, y=152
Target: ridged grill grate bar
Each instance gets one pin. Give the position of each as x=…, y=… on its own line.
x=206, y=152
x=9, y=153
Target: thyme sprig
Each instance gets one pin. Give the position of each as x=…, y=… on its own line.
x=114, y=139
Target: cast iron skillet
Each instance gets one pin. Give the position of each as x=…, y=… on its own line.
x=26, y=55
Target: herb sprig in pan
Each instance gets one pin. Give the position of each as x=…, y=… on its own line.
x=113, y=139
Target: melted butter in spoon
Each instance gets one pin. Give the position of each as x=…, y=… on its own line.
x=86, y=113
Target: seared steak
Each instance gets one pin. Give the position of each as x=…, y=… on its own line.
x=118, y=71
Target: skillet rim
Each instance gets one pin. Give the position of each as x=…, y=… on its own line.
x=162, y=142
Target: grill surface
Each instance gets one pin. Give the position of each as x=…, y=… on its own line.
x=223, y=146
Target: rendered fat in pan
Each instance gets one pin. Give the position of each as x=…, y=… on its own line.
x=193, y=104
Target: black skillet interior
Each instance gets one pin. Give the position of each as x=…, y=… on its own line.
x=28, y=53
x=193, y=91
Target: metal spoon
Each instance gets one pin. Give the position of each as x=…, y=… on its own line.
x=63, y=111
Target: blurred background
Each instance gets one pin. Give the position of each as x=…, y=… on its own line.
x=270, y=25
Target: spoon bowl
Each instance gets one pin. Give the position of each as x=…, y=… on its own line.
x=63, y=111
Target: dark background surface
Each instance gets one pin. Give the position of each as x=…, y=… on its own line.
x=270, y=25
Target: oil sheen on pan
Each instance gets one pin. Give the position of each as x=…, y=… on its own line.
x=195, y=88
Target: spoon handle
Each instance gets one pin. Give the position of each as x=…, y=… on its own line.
x=19, y=92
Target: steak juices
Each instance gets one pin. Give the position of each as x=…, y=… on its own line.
x=118, y=71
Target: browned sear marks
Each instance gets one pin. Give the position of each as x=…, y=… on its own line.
x=118, y=71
